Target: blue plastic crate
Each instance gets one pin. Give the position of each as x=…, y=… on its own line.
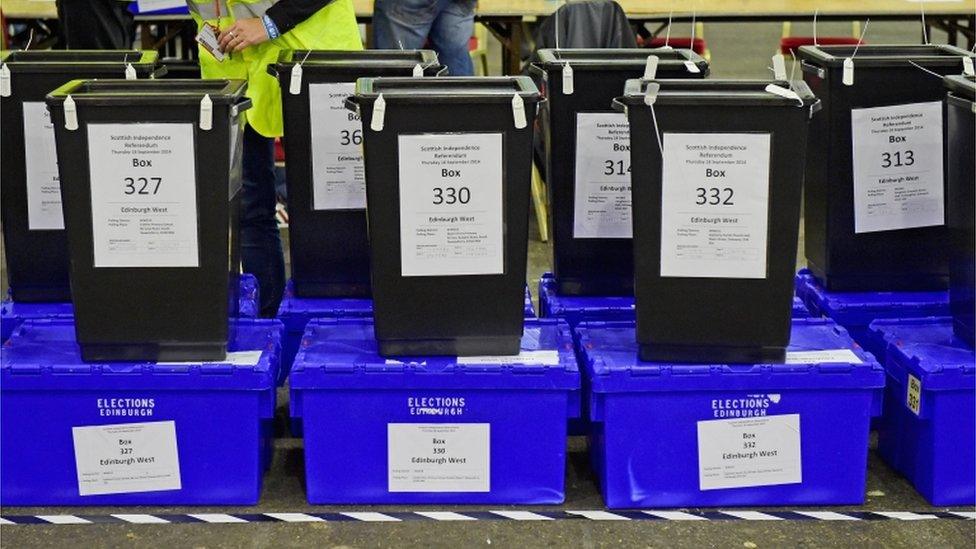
x=676, y=435
x=61, y=419
x=372, y=425
x=13, y=313
x=800, y=309
x=927, y=431
x=295, y=312
x=576, y=309
x=856, y=310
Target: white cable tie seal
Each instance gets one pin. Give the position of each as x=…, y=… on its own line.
x=418, y=70
x=779, y=67
x=518, y=112
x=650, y=69
x=650, y=94
x=568, y=79
x=295, y=85
x=5, y=90
x=70, y=114
x=666, y=47
x=206, y=113
x=130, y=72
x=692, y=67
x=967, y=66
x=379, y=112
x=848, y=71
x=784, y=92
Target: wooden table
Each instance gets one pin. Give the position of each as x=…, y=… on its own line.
x=505, y=18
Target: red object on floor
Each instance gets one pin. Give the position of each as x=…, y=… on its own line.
x=793, y=43
x=698, y=46
x=279, y=150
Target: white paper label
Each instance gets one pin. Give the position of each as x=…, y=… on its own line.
x=439, y=457
x=914, y=399
x=836, y=356
x=127, y=457
x=338, y=172
x=532, y=358
x=758, y=451
x=714, y=205
x=41, y=160
x=143, y=194
x=898, y=178
x=451, y=204
x=234, y=358
x=602, y=208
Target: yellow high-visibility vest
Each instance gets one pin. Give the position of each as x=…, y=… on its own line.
x=333, y=27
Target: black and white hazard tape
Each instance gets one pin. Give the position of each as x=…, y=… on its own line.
x=371, y=516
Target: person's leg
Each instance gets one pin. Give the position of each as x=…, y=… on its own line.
x=96, y=24
x=402, y=24
x=450, y=34
x=261, y=251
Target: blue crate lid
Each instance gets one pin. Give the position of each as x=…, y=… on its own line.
x=296, y=311
x=12, y=314
x=43, y=354
x=928, y=349
x=584, y=306
x=800, y=308
x=342, y=354
x=855, y=308
x=608, y=356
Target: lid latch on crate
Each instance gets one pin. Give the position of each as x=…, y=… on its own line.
x=379, y=112
x=518, y=111
x=4, y=81
x=650, y=68
x=206, y=113
x=70, y=114
x=568, y=81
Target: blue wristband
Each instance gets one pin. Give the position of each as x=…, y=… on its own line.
x=269, y=25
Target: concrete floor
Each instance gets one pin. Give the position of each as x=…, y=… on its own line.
x=284, y=491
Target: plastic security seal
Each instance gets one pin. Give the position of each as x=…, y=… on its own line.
x=568, y=79
x=130, y=72
x=518, y=111
x=418, y=70
x=5, y=81
x=692, y=67
x=206, y=113
x=848, y=77
x=779, y=67
x=650, y=94
x=967, y=66
x=70, y=114
x=650, y=69
x=295, y=84
x=379, y=112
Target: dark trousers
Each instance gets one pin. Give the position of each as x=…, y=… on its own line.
x=96, y=24
x=261, y=250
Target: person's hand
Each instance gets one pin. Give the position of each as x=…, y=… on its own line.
x=243, y=33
